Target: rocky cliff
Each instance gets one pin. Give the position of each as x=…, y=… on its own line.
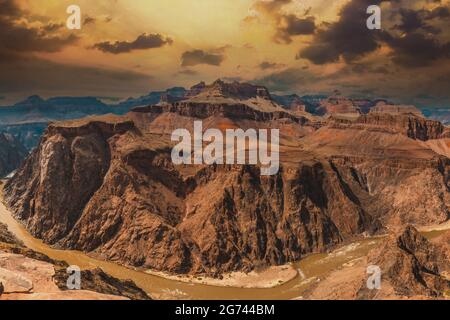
x=409, y=124
x=108, y=186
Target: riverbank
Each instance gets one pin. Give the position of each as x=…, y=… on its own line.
x=267, y=278
x=161, y=285
x=282, y=282
x=270, y=277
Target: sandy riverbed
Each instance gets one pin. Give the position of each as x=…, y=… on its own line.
x=268, y=278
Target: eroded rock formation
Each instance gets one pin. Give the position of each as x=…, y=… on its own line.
x=108, y=186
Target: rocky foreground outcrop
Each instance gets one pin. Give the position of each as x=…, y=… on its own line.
x=28, y=275
x=108, y=186
x=411, y=267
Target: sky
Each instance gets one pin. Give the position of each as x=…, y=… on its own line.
x=129, y=48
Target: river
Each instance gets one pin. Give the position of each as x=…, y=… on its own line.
x=311, y=268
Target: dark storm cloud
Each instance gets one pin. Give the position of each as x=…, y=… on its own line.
x=348, y=38
x=291, y=25
x=24, y=73
x=196, y=57
x=439, y=13
x=418, y=44
x=412, y=38
x=16, y=38
x=319, y=53
x=144, y=41
x=417, y=49
x=296, y=26
x=9, y=9
x=31, y=40
x=412, y=20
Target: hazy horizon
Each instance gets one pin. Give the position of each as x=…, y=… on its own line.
x=127, y=49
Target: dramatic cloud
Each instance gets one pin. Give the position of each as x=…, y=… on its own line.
x=417, y=49
x=196, y=57
x=412, y=20
x=408, y=56
x=9, y=9
x=290, y=25
x=439, y=13
x=17, y=38
x=412, y=39
x=22, y=72
x=286, y=25
x=144, y=41
x=348, y=38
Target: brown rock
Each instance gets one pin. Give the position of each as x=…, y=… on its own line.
x=8, y=237
x=412, y=265
x=14, y=283
x=98, y=281
x=107, y=186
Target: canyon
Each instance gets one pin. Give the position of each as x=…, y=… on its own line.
x=106, y=184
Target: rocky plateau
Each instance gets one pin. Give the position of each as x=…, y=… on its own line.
x=106, y=185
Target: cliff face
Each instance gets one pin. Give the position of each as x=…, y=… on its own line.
x=66, y=169
x=206, y=110
x=11, y=153
x=108, y=186
x=411, y=125
x=133, y=206
x=395, y=109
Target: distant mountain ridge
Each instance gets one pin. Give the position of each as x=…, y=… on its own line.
x=27, y=119
x=152, y=98
x=12, y=152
